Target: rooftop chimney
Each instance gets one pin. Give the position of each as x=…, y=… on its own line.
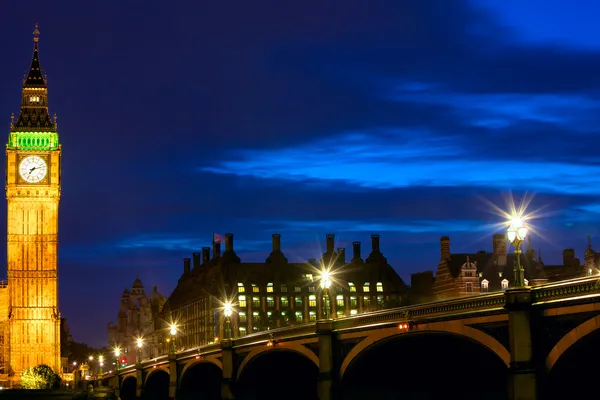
x=216, y=251
x=205, y=255
x=196, y=260
x=375, y=244
x=228, y=242
x=445, y=247
x=356, y=251
x=186, y=266
x=341, y=257
x=330, y=242
x=276, y=238
x=499, y=244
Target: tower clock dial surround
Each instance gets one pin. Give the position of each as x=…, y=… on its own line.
x=33, y=169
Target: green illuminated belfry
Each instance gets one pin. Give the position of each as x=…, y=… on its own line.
x=34, y=129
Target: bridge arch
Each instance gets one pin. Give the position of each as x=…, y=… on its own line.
x=426, y=364
x=288, y=346
x=454, y=329
x=128, y=387
x=572, y=337
x=202, y=360
x=156, y=384
x=279, y=372
x=201, y=377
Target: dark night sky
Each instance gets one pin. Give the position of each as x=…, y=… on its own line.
x=404, y=118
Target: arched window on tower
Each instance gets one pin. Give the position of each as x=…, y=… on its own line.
x=485, y=285
x=504, y=284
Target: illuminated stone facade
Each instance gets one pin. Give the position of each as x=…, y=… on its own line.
x=137, y=317
x=275, y=293
x=33, y=183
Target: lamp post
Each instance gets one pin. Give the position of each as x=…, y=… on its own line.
x=101, y=361
x=140, y=343
x=227, y=311
x=117, y=354
x=325, y=284
x=516, y=234
x=173, y=332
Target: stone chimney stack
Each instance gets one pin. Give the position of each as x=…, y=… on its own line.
x=499, y=244
x=375, y=244
x=330, y=242
x=196, y=260
x=228, y=242
x=216, y=251
x=341, y=257
x=445, y=247
x=355, y=251
x=276, y=238
x=186, y=266
x=205, y=255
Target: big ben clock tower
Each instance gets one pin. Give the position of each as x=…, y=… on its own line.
x=33, y=157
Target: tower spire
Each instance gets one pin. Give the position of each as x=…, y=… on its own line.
x=34, y=77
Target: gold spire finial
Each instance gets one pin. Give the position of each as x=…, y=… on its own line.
x=36, y=34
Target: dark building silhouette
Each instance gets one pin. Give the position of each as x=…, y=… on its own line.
x=465, y=274
x=275, y=293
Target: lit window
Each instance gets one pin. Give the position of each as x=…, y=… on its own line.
x=269, y=313
x=297, y=289
x=242, y=331
x=353, y=312
x=34, y=99
x=469, y=273
x=380, y=300
x=270, y=302
x=242, y=301
x=589, y=272
x=254, y=288
x=353, y=301
x=256, y=302
x=270, y=287
x=298, y=302
x=339, y=314
x=285, y=302
x=241, y=288
x=500, y=274
x=283, y=315
x=283, y=289
x=468, y=287
x=312, y=316
x=504, y=284
x=352, y=287
x=255, y=315
x=308, y=276
x=299, y=316
x=339, y=300
x=242, y=317
x=366, y=287
x=485, y=285
x=526, y=282
x=379, y=287
x=312, y=300
x=311, y=289
x=366, y=301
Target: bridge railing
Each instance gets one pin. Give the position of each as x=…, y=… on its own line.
x=487, y=302
x=289, y=332
x=569, y=289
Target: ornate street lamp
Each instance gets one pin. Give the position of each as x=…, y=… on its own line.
x=117, y=354
x=227, y=311
x=101, y=361
x=140, y=343
x=173, y=332
x=325, y=284
x=516, y=234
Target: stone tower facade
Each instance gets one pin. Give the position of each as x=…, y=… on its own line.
x=33, y=184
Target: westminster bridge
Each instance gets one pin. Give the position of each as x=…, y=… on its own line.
x=523, y=343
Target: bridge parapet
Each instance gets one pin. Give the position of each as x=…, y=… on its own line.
x=447, y=308
x=279, y=334
x=563, y=290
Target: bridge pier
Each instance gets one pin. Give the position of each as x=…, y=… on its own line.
x=139, y=380
x=522, y=371
x=227, y=360
x=328, y=367
x=172, y=376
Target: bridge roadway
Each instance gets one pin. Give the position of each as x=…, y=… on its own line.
x=499, y=345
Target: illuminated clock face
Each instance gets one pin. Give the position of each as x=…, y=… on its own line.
x=33, y=169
